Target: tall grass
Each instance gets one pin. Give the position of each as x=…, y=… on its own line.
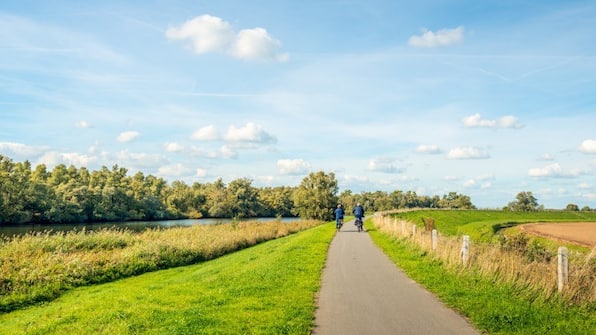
x=39, y=267
x=537, y=277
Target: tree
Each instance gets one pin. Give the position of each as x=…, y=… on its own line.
x=572, y=207
x=524, y=202
x=244, y=198
x=316, y=197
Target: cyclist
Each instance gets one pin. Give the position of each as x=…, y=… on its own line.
x=358, y=212
x=339, y=217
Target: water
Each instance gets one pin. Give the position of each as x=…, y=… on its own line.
x=133, y=225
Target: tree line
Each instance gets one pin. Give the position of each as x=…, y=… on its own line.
x=68, y=194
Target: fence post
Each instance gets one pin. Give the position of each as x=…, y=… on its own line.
x=413, y=231
x=465, y=250
x=563, y=268
x=395, y=226
x=403, y=227
x=435, y=239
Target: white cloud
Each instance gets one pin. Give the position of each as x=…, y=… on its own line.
x=54, y=158
x=482, y=182
x=467, y=153
x=584, y=186
x=174, y=147
x=476, y=121
x=251, y=133
x=553, y=170
x=293, y=167
x=21, y=149
x=431, y=149
x=509, y=122
x=441, y=38
x=174, y=170
x=83, y=124
x=386, y=165
x=588, y=147
x=208, y=33
x=128, y=136
x=205, y=33
x=207, y=133
x=139, y=160
x=201, y=173
x=254, y=44
x=227, y=152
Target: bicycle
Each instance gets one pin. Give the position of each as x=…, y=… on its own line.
x=338, y=224
x=358, y=223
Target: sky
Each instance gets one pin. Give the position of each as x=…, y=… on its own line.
x=484, y=98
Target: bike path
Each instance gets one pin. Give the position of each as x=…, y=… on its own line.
x=363, y=292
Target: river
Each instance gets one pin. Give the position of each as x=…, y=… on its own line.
x=11, y=230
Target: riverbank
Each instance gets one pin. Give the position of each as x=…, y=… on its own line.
x=40, y=267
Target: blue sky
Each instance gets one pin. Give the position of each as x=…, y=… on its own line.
x=484, y=98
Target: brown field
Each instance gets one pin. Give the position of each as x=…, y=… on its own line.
x=582, y=233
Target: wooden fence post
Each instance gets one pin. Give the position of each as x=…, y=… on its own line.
x=403, y=227
x=435, y=239
x=414, y=231
x=563, y=268
x=465, y=250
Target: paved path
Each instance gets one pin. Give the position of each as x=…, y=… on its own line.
x=363, y=292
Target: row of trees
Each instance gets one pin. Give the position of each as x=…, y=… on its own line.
x=526, y=201
x=71, y=194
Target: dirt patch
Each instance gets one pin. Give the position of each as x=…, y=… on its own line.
x=582, y=233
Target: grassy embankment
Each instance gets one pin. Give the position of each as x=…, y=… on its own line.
x=269, y=288
x=501, y=291
x=40, y=267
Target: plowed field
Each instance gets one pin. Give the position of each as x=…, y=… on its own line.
x=582, y=233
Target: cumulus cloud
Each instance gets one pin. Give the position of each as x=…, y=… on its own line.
x=293, y=167
x=228, y=152
x=588, y=147
x=20, y=149
x=250, y=133
x=255, y=44
x=54, y=158
x=441, y=38
x=141, y=161
x=206, y=34
x=128, y=136
x=207, y=133
x=468, y=153
x=482, y=182
x=431, y=149
x=553, y=170
x=476, y=121
x=509, y=122
x=174, y=147
x=386, y=165
x=174, y=170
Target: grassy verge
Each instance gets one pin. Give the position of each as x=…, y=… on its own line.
x=266, y=289
x=494, y=307
x=40, y=267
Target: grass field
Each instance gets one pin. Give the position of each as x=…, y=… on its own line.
x=269, y=288
x=484, y=224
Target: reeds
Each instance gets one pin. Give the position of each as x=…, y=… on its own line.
x=536, y=276
x=38, y=267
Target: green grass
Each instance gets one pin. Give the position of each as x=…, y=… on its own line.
x=482, y=225
x=269, y=288
x=495, y=308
